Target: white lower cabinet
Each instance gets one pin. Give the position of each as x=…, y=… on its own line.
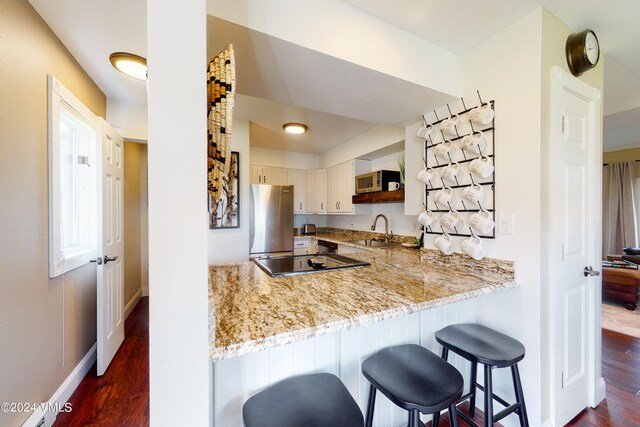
x=302, y=246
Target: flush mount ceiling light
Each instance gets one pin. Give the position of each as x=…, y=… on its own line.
x=294, y=128
x=129, y=64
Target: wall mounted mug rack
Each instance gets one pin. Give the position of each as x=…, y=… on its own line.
x=464, y=149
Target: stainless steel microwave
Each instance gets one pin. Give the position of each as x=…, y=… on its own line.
x=376, y=181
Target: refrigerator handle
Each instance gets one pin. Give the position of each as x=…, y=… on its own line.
x=252, y=226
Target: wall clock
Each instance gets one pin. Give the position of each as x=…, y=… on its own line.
x=583, y=52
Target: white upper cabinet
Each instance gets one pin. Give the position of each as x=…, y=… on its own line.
x=268, y=175
x=316, y=191
x=276, y=176
x=341, y=187
x=298, y=178
x=255, y=174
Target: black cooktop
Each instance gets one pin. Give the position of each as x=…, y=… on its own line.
x=301, y=264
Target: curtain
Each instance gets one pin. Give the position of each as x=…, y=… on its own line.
x=221, y=89
x=619, y=216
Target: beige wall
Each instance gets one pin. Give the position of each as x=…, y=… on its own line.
x=623, y=156
x=46, y=326
x=135, y=218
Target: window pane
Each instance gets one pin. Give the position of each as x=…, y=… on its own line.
x=69, y=128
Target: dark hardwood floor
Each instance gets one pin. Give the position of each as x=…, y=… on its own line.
x=621, y=372
x=121, y=396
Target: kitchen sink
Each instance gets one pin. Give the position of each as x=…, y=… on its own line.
x=374, y=243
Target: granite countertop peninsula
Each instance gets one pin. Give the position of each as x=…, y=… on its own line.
x=250, y=311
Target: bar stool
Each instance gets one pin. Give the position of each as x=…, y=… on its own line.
x=307, y=400
x=480, y=344
x=415, y=379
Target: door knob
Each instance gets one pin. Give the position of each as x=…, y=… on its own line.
x=589, y=271
x=108, y=259
x=97, y=260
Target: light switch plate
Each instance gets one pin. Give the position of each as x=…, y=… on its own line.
x=506, y=223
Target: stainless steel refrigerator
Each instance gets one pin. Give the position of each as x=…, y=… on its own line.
x=271, y=217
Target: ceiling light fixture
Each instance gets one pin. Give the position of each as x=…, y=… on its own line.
x=129, y=64
x=297, y=128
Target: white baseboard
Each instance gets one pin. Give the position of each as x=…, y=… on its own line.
x=601, y=393
x=132, y=304
x=145, y=292
x=63, y=393
x=547, y=423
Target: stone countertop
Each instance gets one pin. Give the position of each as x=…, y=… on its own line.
x=251, y=311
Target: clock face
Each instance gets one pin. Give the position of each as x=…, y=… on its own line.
x=591, y=47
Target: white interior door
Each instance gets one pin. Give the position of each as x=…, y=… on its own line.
x=110, y=302
x=574, y=187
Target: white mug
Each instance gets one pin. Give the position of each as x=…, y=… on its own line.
x=444, y=243
x=482, y=115
x=475, y=143
x=444, y=149
x=424, y=131
x=449, y=125
x=474, y=194
x=445, y=197
x=426, y=175
x=426, y=218
x=394, y=186
x=451, y=220
x=452, y=172
x=481, y=166
x=482, y=222
x=473, y=247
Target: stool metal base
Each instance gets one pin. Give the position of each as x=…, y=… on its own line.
x=489, y=417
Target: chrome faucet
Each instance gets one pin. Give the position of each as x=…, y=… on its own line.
x=387, y=235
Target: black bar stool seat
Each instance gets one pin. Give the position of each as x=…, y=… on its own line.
x=493, y=349
x=481, y=344
x=316, y=400
x=413, y=378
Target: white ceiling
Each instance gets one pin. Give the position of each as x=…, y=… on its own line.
x=92, y=30
x=291, y=75
x=267, y=117
x=615, y=23
x=622, y=130
x=454, y=26
x=271, y=68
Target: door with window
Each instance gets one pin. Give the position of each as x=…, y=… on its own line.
x=110, y=246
